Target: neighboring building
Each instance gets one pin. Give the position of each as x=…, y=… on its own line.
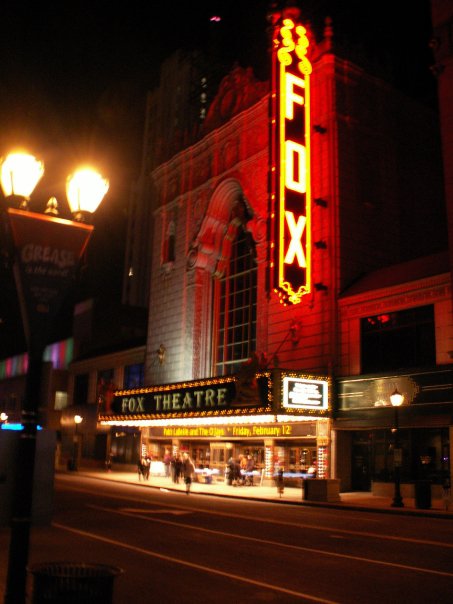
x=271, y=298
x=53, y=397
x=175, y=113
x=92, y=382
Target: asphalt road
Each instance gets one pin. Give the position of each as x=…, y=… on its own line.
x=183, y=549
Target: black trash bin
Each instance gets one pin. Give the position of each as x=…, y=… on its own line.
x=423, y=494
x=73, y=583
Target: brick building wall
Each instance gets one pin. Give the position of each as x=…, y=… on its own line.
x=359, y=172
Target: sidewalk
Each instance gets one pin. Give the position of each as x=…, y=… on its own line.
x=350, y=500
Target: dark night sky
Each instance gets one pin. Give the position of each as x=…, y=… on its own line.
x=74, y=77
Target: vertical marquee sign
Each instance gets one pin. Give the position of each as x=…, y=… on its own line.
x=290, y=162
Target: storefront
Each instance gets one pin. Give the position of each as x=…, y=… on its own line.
x=280, y=418
x=369, y=430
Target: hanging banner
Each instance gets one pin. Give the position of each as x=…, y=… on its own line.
x=48, y=251
x=290, y=162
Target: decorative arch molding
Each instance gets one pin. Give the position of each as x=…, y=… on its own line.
x=227, y=210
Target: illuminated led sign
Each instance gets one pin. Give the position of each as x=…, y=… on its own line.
x=290, y=163
x=300, y=393
x=258, y=431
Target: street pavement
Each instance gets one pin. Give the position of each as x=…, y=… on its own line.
x=365, y=501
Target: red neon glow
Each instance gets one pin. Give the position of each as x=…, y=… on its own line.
x=291, y=154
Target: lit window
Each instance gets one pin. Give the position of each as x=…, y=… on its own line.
x=236, y=292
x=134, y=376
x=61, y=400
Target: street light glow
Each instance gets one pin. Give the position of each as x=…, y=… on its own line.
x=20, y=173
x=396, y=398
x=85, y=189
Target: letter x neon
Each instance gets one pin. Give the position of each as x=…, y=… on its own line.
x=295, y=247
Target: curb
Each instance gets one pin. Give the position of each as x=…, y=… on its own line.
x=319, y=504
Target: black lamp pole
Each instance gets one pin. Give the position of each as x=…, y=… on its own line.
x=23, y=491
x=396, y=398
x=46, y=251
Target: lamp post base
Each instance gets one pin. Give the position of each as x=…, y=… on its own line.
x=397, y=502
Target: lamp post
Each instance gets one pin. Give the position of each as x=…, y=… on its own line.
x=78, y=419
x=396, y=399
x=45, y=250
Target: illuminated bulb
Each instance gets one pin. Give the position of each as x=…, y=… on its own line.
x=20, y=173
x=85, y=190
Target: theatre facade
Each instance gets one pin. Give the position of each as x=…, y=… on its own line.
x=269, y=316
x=281, y=418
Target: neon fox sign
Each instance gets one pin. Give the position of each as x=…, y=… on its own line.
x=290, y=163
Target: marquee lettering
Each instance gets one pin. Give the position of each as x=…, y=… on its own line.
x=211, y=397
x=132, y=404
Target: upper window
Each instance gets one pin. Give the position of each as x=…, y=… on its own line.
x=81, y=389
x=133, y=376
x=168, y=251
x=396, y=340
x=236, y=293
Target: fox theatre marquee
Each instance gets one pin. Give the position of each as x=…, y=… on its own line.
x=267, y=408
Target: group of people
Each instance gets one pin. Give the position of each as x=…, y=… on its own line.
x=240, y=470
x=180, y=467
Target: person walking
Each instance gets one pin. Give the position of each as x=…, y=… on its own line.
x=188, y=469
x=178, y=468
x=140, y=468
x=250, y=467
x=146, y=467
x=280, y=481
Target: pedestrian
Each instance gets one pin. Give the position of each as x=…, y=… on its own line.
x=249, y=468
x=167, y=460
x=146, y=467
x=237, y=480
x=178, y=468
x=280, y=481
x=140, y=468
x=108, y=463
x=188, y=469
x=230, y=471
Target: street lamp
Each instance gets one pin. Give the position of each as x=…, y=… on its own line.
x=46, y=250
x=396, y=399
x=78, y=419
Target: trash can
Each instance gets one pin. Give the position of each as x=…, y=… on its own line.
x=423, y=494
x=73, y=583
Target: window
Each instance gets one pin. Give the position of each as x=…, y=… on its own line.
x=81, y=389
x=237, y=293
x=168, y=252
x=105, y=389
x=134, y=376
x=403, y=339
x=61, y=400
